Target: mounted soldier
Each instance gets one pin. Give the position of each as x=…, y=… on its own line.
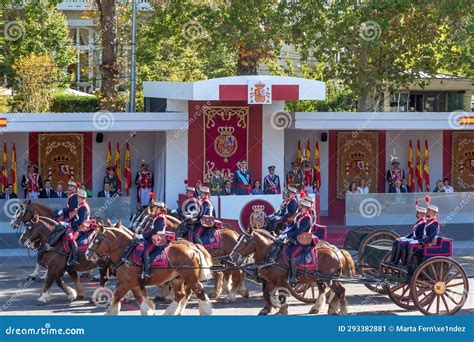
x=190, y=210
x=82, y=214
x=401, y=245
x=145, y=216
x=154, y=238
x=288, y=209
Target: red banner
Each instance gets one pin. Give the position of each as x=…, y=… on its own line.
x=225, y=139
x=118, y=171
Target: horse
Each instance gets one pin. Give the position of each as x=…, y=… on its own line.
x=25, y=212
x=331, y=261
x=55, y=260
x=221, y=279
x=184, y=272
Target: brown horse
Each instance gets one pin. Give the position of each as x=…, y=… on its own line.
x=56, y=260
x=25, y=212
x=188, y=265
x=331, y=261
x=222, y=279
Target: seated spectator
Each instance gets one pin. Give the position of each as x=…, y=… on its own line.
x=397, y=187
x=89, y=192
x=110, y=177
x=352, y=188
x=228, y=188
x=439, y=186
x=59, y=192
x=405, y=186
x=257, y=188
x=107, y=192
x=47, y=192
x=14, y=195
x=8, y=193
x=362, y=188
x=446, y=186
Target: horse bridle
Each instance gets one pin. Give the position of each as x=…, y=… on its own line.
x=246, y=239
x=102, y=259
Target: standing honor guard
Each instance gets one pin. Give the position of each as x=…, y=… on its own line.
x=144, y=182
x=242, y=179
x=271, y=183
x=295, y=177
x=31, y=182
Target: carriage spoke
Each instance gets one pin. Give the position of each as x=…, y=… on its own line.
x=397, y=287
x=450, y=298
x=445, y=304
x=428, y=276
x=431, y=300
x=405, y=291
x=423, y=284
x=437, y=304
x=451, y=277
x=433, y=269
x=447, y=272
x=451, y=291
x=441, y=271
x=456, y=284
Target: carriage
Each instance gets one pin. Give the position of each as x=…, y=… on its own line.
x=434, y=283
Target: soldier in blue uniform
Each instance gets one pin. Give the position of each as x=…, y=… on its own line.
x=400, y=245
x=82, y=213
x=72, y=202
x=430, y=232
x=242, y=179
x=207, y=209
x=286, y=214
x=302, y=224
x=191, y=217
x=153, y=238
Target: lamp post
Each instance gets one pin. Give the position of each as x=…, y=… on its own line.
x=133, y=71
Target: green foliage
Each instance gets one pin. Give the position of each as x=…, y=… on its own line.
x=4, y=104
x=72, y=103
x=38, y=27
x=37, y=79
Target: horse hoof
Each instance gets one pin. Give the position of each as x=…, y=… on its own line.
x=313, y=312
x=245, y=293
x=80, y=296
x=213, y=295
x=263, y=312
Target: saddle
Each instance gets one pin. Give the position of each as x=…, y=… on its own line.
x=306, y=259
x=159, y=256
x=83, y=240
x=210, y=237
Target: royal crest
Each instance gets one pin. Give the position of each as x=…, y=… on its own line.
x=253, y=214
x=257, y=218
x=259, y=93
x=225, y=144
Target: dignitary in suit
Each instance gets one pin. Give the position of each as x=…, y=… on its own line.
x=58, y=193
x=271, y=182
x=242, y=179
x=47, y=192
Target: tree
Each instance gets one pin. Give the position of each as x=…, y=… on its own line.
x=37, y=79
x=374, y=46
x=39, y=28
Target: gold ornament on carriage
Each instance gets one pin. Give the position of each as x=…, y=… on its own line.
x=225, y=144
x=257, y=217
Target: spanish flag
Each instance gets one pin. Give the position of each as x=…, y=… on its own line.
x=127, y=170
x=299, y=155
x=118, y=172
x=308, y=152
x=109, y=156
x=13, y=170
x=317, y=169
x=3, y=122
x=426, y=167
x=411, y=170
x=419, y=167
x=4, y=167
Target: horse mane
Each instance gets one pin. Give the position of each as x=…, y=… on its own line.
x=265, y=234
x=48, y=220
x=42, y=206
x=172, y=219
x=123, y=231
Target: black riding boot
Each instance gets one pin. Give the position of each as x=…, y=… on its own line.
x=409, y=257
x=403, y=256
x=395, y=255
x=292, y=278
x=73, y=256
x=273, y=255
x=129, y=250
x=146, y=267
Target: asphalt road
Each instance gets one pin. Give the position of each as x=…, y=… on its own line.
x=18, y=296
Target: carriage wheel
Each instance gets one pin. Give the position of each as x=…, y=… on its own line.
x=439, y=287
x=377, y=235
x=400, y=294
x=306, y=293
x=365, y=270
x=367, y=229
x=364, y=229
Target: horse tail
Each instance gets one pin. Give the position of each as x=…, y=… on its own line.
x=205, y=261
x=349, y=267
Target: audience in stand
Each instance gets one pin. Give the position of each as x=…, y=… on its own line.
x=362, y=188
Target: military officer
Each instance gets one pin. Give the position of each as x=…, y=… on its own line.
x=31, y=182
x=217, y=183
x=242, y=179
x=307, y=177
x=395, y=172
x=400, y=245
x=72, y=232
x=144, y=182
x=295, y=177
x=271, y=182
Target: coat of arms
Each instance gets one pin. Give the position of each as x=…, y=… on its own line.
x=225, y=144
x=257, y=217
x=259, y=93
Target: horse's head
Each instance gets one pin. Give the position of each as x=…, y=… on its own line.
x=22, y=214
x=99, y=247
x=32, y=237
x=246, y=245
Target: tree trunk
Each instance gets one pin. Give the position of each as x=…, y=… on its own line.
x=247, y=62
x=362, y=83
x=109, y=68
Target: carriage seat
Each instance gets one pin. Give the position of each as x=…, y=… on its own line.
x=320, y=231
x=441, y=246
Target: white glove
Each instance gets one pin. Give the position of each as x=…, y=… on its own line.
x=282, y=237
x=139, y=236
x=60, y=212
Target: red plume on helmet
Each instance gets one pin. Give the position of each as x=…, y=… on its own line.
x=152, y=195
x=427, y=199
x=302, y=193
